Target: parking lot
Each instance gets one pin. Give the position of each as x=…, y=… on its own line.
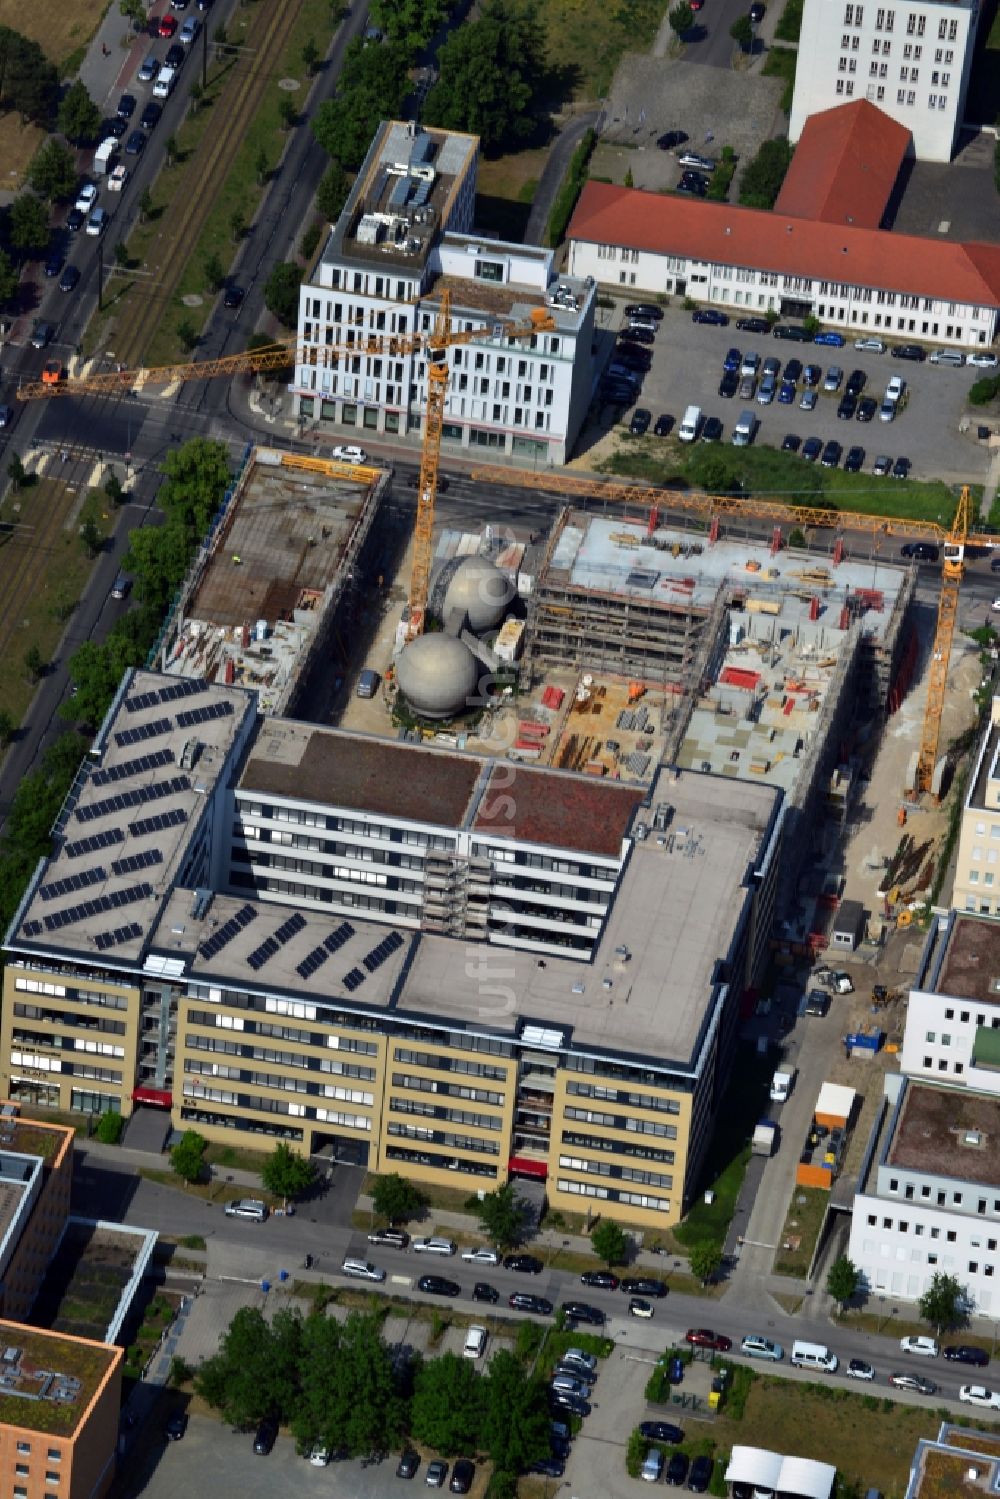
x=688, y=365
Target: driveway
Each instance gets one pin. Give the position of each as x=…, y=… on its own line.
x=553, y=174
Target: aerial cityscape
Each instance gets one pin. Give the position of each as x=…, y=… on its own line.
x=457, y=644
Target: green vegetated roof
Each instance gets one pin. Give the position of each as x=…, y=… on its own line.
x=40, y=1351
x=986, y=1049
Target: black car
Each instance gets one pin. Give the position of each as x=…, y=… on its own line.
x=482, y=1291
x=908, y=351
x=54, y=264
x=462, y=1474
x=812, y=375
x=618, y=395
x=817, y=1003
x=523, y=1301
x=408, y=1464
x=126, y=106
x=696, y=188
x=712, y=430
x=438, y=1285
x=793, y=370
x=265, y=1437
x=867, y=408
x=922, y=551
x=641, y=419
x=792, y=332
x=604, y=1280
x=527, y=1263
x=136, y=144
x=550, y=1467
x=901, y=468
x=638, y=335
x=150, y=116
x=847, y=408
x=701, y=1469
x=582, y=1311
x=677, y=1468
x=854, y=462
x=729, y=385
x=697, y=180
x=709, y=315
x=962, y=1353
x=74, y=220
x=832, y=454
x=661, y=1431
x=642, y=1285
x=117, y=128
x=175, y=56
x=69, y=278
x=753, y=325
x=635, y=355
x=175, y=1426
x=663, y=425
x=575, y=1404
x=757, y=11
x=856, y=382
x=671, y=140
x=791, y=443
x=811, y=448
x=645, y=309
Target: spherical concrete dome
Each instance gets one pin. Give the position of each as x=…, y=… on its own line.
x=437, y=675
x=474, y=585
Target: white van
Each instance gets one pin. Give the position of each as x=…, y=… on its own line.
x=691, y=424
x=165, y=80
x=247, y=1207
x=743, y=432
x=814, y=1356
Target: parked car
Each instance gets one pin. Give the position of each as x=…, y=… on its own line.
x=709, y=315
x=977, y=1394
x=915, y=1382
x=963, y=1353
x=643, y=1285
x=652, y=1465
x=901, y=468
x=148, y=69
x=787, y=392
x=189, y=31
x=807, y=400
x=754, y=1346
x=791, y=443
x=408, y=1464
x=830, y=339
x=811, y=448
x=882, y=465
x=983, y=361
x=817, y=1003
x=856, y=382
x=663, y=425
x=855, y=460
x=867, y=408
x=698, y=163
x=349, y=452
x=660, y=1431
x=136, y=143
x=645, y=309
x=523, y=1301
x=582, y=1311
x=920, y=1343
x=462, y=1474
x=908, y=351
x=729, y=385
x=175, y=1426
x=437, y=1472
x=604, y=1280
x=265, y=1437
x=641, y=419
x=704, y=1337
x=677, y=1468
x=438, y=1285
x=86, y=196
x=97, y=221
x=639, y=1307
x=834, y=376
x=859, y=1368
x=700, y=1475
x=832, y=454
x=175, y=56
x=925, y=551
x=319, y=1456
x=483, y=1291
x=69, y=278
x=150, y=116
x=167, y=25
x=549, y=1467
x=869, y=345
x=847, y=408
x=74, y=220
x=126, y=106
x=527, y=1264
x=481, y=1256
x=397, y=1238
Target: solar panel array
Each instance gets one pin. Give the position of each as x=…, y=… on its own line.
x=380, y=954
x=104, y=940
x=31, y=928
x=133, y=767
x=145, y=731
x=73, y=914
x=134, y=862
x=319, y=955
x=133, y=798
x=171, y=819
x=94, y=842
x=191, y=716
x=271, y=945
x=95, y=876
x=353, y=980
x=227, y=932
x=183, y=687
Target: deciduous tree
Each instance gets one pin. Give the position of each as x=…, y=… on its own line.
x=763, y=176
x=411, y=22
x=609, y=1242
x=281, y=292
x=53, y=171
x=491, y=76
x=79, y=116
x=943, y=1303
x=515, y=1428
x=188, y=1156
x=681, y=18
x=374, y=81
x=396, y=1198
x=28, y=224
x=741, y=31
x=842, y=1281
x=28, y=81
x=331, y=195
x=448, y=1405
x=287, y=1174
x=705, y=1261
x=500, y=1214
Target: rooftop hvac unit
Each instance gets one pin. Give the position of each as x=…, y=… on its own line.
x=369, y=231
x=972, y=1137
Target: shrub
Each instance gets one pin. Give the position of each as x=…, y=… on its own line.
x=635, y=1453
x=790, y=24
x=562, y=209
x=309, y=240
x=984, y=390
x=110, y=1127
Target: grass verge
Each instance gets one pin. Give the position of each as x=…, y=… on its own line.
x=211, y=1191
x=726, y=1162
x=802, y=1225
x=234, y=1158
x=573, y=26
x=790, y=23
x=771, y=474
x=565, y=200
x=780, y=63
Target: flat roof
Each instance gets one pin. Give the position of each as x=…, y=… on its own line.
x=941, y=1471
x=124, y=834
x=971, y=965
x=48, y=1380
x=987, y=768
x=277, y=566
x=674, y=913
x=946, y=1132
x=407, y=781
x=590, y=815
x=403, y=195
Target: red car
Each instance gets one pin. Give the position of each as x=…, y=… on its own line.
x=168, y=25
x=704, y=1337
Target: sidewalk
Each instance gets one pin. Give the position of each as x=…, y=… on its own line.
x=113, y=53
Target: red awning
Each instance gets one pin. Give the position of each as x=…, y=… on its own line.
x=155, y=1096
x=527, y=1166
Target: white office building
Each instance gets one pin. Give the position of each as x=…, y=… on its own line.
x=406, y=233
x=913, y=60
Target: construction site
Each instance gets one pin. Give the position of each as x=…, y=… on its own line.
x=262, y=596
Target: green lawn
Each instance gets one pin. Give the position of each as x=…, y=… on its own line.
x=771, y=474
x=728, y=1154
x=780, y=63
x=790, y=24
x=587, y=39
x=805, y=1218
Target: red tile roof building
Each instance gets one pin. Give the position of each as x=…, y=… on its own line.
x=845, y=166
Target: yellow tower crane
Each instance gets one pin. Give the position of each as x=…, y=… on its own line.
x=953, y=542
x=434, y=345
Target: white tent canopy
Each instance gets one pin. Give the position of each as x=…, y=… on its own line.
x=769, y=1472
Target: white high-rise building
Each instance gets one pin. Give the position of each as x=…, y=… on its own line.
x=911, y=59
x=406, y=233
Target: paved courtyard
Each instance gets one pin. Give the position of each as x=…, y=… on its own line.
x=955, y=201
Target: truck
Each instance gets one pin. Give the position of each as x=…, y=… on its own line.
x=118, y=179
x=781, y=1084
x=104, y=156
x=765, y=1138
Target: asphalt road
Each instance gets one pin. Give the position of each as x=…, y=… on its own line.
x=552, y=176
